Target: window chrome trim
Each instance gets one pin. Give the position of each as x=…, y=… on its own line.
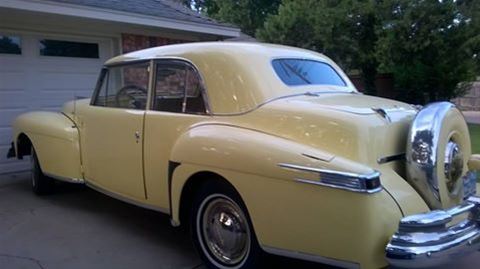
x=98, y=85
x=104, y=73
x=338, y=179
x=203, y=88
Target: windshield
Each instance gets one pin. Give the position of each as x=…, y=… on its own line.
x=295, y=72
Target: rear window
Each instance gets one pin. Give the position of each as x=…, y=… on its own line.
x=295, y=72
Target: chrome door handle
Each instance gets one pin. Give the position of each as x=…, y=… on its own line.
x=137, y=136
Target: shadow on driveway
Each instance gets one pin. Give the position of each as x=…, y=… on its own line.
x=79, y=228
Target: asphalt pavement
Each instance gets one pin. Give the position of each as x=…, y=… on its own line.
x=78, y=228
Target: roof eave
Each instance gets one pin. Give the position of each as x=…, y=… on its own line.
x=118, y=16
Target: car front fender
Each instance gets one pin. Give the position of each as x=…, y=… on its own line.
x=55, y=138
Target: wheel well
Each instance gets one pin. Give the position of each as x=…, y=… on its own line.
x=24, y=146
x=188, y=192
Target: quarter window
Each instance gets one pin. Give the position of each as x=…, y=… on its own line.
x=10, y=45
x=295, y=72
x=178, y=88
x=124, y=86
x=50, y=47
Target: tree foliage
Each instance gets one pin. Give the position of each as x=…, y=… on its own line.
x=428, y=47
x=249, y=15
x=343, y=30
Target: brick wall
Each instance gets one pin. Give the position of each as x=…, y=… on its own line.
x=132, y=42
x=471, y=100
x=383, y=84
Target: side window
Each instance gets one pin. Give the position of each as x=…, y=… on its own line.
x=178, y=89
x=124, y=86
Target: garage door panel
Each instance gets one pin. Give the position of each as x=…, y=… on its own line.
x=5, y=136
x=66, y=81
x=56, y=98
x=9, y=114
x=13, y=99
x=34, y=81
x=11, y=80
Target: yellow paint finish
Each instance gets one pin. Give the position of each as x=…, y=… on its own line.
x=316, y=220
x=55, y=139
x=251, y=130
x=474, y=162
x=162, y=131
x=112, y=155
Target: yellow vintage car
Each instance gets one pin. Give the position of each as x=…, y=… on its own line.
x=263, y=148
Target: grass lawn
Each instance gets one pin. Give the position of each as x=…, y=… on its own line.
x=475, y=137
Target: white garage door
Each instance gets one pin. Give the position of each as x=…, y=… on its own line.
x=41, y=72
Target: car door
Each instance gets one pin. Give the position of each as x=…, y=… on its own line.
x=178, y=102
x=112, y=131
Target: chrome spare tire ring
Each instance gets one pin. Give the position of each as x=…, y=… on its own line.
x=223, y=231
x=438, y=146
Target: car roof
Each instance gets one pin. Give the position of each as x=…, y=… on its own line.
x=238, y=76
x=250, y=49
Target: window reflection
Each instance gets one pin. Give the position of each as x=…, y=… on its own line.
x=49, y=47
x=10, y=45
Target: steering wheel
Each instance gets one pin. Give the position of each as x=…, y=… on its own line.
x=135, y=96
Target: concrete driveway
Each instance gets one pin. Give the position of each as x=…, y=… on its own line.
x=80, y=228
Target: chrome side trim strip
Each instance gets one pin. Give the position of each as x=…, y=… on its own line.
x=319, y=183
x=125, y=199
x=66, y=179
x=364, y=183
x=330, y=172
x=310, y=257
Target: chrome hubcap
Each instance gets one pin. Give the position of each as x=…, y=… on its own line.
x=453, y=164
x=224, y=230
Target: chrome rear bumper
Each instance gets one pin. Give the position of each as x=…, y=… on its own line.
x=430, y=240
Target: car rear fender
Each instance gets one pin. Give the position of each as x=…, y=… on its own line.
x=249, y=152
x=55, y=138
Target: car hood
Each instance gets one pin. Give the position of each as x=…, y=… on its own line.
x=355, y=126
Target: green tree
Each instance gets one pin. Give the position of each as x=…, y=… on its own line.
x=249, y=15
x=429, y=48
x=343, y=30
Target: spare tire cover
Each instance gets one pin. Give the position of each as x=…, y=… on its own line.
x=438, y=148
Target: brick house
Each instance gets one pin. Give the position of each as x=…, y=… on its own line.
x=52, y=50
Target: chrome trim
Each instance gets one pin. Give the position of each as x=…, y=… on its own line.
x=422, y=151
x=125, y=199
x=283, y=97
x=351, y=88
x=203, y=88
x=431, y=239
x=338, y=179
x=453, y=168
x=65, y=179
x=383, y=113
x=391, y=158
x=223, y=231
x=310, y=257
